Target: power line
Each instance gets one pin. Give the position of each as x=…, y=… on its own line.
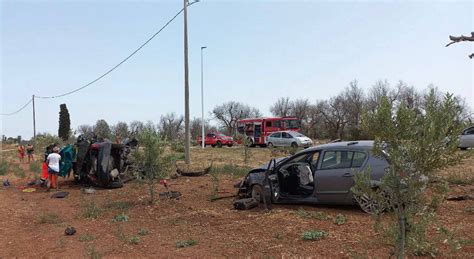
x=119, y=64
x=19, y=110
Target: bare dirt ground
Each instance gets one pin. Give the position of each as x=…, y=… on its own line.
x=33, y=224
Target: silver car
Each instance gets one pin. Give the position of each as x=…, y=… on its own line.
x=318, y=175
x=288, y=139
x=466, y=140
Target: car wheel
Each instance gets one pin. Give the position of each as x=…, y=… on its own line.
x=219, y=144
x=463, y=148
x=294, y=145
x=213, y=145
x=230, y=145
x=270, y=145
x=368, y=205
x=257, y=192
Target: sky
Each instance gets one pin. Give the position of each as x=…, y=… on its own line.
x=257, y=51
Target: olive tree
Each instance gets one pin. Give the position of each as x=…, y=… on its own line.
x=416, y=144
x=151, y=163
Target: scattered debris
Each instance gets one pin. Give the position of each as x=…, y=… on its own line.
x=88, y=190
x=245, y=204
x=461, y=197
x=29, y=190
x=6, y=182
x=189, y=170
x=60, y=195
x=70, y=231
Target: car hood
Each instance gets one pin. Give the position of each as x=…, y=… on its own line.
x=304, y=139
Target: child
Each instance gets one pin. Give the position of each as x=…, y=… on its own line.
x=53, y=160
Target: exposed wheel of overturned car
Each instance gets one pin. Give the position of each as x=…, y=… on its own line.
x=257, y=192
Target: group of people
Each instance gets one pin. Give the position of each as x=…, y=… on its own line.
x=29, y=151
x=51, y=163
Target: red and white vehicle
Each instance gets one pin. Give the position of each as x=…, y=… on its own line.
x=257, y=129
x=216, y=139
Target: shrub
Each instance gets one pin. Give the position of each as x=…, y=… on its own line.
x=3, y=167
x=340, y=219
x=186, y=243
x=91, y=211
x=121, y=218
x=135, y=240
x=143, y=232
x=151, y=163
x=313, y=235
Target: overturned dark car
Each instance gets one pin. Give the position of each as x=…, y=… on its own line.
x=318, y=175
x=102, y=163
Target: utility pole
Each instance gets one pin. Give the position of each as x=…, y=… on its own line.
x=34, y=117
x=187, y=156
x=202, y=98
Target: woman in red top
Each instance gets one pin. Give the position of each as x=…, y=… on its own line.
x=21, y=153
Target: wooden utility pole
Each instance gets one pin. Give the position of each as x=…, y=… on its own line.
x=34, y=117
x=187, y=156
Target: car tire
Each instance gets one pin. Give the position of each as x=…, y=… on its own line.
x=219, y=144
x=213, y=145
x=229, y=145
x=270, y=145
x=369, y=205
x=294, y=145
x=257, y=192
x=463, y=148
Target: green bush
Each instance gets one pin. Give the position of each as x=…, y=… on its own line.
x=313, y=235
x=121, y=218
x=340, y=219
x=3, y=167
x=143, y=232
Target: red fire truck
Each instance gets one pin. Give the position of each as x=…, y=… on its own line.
x=257, y=129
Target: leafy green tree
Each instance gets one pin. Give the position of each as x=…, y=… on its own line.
x=102, y=129
x=416, y=143
x=151, y=162
x=64, y=130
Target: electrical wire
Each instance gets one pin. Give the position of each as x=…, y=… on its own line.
x=119, y=64
x=19, y=110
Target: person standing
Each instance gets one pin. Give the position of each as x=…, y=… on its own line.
x=29, y=151
x=21, y=153
x=53, y=160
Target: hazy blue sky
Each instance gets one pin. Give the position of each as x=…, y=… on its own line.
x=257, y=52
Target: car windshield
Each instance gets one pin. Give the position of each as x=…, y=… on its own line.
x=222, y=135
